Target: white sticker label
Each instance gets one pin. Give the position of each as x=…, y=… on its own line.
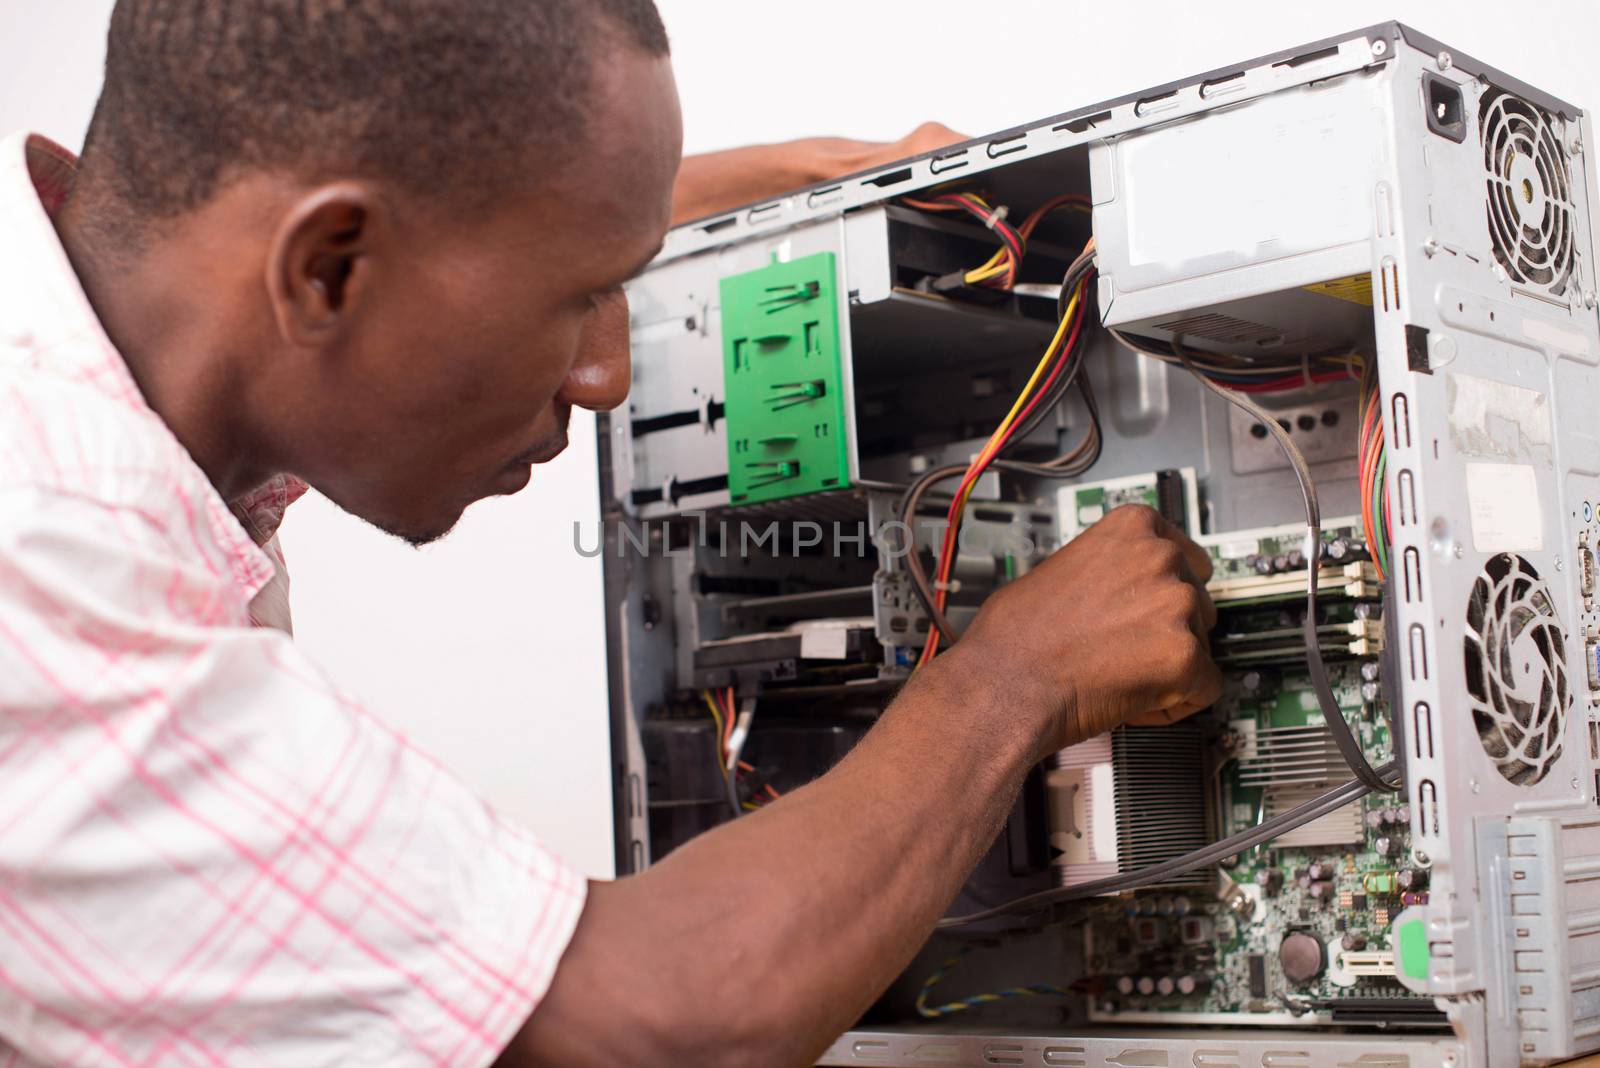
x=824, y=643
x=1504, y=501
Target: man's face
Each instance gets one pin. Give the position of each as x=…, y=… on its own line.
x=476, y=336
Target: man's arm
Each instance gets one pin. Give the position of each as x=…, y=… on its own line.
x=758, y=943
x=718, y=181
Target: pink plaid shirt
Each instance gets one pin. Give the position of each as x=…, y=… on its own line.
x=208, y=854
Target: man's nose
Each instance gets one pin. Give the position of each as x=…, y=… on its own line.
x=600, y=377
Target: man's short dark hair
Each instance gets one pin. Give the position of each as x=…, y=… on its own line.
x=432, y=94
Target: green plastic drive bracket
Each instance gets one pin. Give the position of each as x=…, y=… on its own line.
x=782, y=381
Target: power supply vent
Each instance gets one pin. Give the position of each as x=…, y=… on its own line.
x=1516, y=674
x=1530, y=207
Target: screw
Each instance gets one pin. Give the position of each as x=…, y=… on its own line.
x=1380, y=48
x=1499, y=273
x=1475, y=786
x=1431, y=246
x=1444, y=60
x=1423, y=858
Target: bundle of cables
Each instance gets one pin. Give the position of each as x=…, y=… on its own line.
x=1368, y=778
x=1257, y=373
x=1000, y=270
x=1372, y=457
x=1057, y=372
x=731, y=731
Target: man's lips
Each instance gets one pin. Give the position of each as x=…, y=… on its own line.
x=542, y=453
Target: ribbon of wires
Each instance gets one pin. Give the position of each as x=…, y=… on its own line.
x=1058, y=370
x=1000, y=270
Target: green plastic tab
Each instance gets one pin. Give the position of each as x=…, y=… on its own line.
x=1414, y=949
x=782, y=381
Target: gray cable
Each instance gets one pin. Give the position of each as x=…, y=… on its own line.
x=1264, y=831
x=1349, y=745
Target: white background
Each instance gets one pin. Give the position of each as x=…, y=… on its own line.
x=488, y=647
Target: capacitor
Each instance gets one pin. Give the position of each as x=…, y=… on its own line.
x=1166, y=985
x=1383, y=845
x=1165, y=906
x=1321, y=891
x=1270, y=880
x=1250, y=682
x=1146, y=986
x=1295, y=558
x=1402, y=814
x=1125, y=985
x=1303, y=880
x=1353, y=942
x=1300, y=957
x=1180, y=906
x=1411, y=879
x=1193, y=984
x=1338, y=549
x=1280, y=562
x=1370, y=692
x=1369, y=670
x=1374, y=818
x=1262, y=564
x=1147, y=907
x=1320, y=871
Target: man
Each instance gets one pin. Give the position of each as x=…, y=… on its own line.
x=377, y=246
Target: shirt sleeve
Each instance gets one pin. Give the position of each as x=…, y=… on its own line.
x=210, y=856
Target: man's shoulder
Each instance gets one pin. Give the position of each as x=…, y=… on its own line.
x=66, y=436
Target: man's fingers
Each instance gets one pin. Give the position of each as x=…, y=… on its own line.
x=1198, y=559
x=1201, y=690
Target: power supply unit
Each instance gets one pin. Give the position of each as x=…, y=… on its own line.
x=1331, y=311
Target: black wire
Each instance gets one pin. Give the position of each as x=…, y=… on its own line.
x=1068, y=465
x=1205, y=856
x=914, y=494
x=1349, y=745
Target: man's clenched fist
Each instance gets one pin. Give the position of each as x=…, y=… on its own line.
x=1111, y=629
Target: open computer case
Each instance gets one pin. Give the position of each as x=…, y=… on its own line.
x=1386, y=247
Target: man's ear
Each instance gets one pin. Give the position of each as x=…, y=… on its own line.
x=317, y=266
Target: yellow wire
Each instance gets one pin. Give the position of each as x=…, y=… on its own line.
x=1022, y=398
x=716, y=717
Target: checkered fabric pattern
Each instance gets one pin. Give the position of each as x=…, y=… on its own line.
x=208, y=854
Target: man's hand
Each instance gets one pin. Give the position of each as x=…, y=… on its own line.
x=872, y=853
x=717, y=181
x=1110, y=629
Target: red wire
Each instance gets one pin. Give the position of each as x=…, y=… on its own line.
x=952, y=517
x=1288, y=382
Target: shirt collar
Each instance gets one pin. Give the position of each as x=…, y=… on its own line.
x=71, y=342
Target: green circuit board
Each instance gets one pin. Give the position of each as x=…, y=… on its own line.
x=1301, y=925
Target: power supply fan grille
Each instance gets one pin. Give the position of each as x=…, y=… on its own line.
x=1531, y=213
x=1516, y=674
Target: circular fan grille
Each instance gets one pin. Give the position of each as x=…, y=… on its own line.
x=1516, y=675
x=1531, y=212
